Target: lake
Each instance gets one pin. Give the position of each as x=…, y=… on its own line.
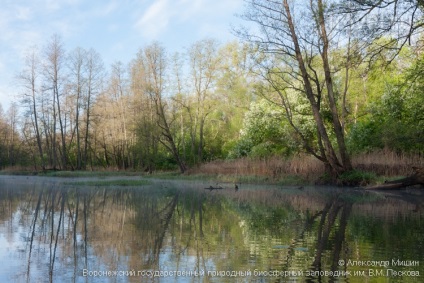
x=84, y=230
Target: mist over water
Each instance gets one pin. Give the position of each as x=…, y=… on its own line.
x=175, y=231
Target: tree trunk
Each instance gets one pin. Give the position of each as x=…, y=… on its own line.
x=62, y=131
x=37, y=130
x=338, y=130
x=330, y=155
x=417, y=178
x=168, y=135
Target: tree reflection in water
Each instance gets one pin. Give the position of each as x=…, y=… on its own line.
x=188, y=229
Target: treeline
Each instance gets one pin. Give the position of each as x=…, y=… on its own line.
x=167, y=111
x=159, y=111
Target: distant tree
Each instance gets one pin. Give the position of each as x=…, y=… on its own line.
x=154, y=62
x=54, y=73
x=95, y=74
x=118, y=92
x=29, y=79
x=77, y=67
x=203, y=63
x=235, y=84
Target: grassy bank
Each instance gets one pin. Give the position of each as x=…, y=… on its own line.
x=110, y=183
x=298, y=170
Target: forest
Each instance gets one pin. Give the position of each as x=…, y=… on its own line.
x=327, y=79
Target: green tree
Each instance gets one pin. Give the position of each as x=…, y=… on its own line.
x=389, y=114
x=265, y=132
x=297, y=58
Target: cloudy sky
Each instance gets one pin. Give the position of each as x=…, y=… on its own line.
x=114, y=28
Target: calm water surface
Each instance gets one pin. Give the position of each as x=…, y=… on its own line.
x=52, y=230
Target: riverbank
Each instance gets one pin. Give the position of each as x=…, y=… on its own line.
x=370, y=168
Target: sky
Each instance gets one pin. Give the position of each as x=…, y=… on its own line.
x=116, y=29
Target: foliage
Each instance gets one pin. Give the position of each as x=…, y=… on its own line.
x=395, y=119
x=212, y=102
x=357, y=178
x=265, y=132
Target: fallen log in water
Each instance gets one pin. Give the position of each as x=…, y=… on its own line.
x=417, y=178
x=214, y=188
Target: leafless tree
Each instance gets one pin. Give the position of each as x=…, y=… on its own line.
x=28, y=78
x=77, y=62
x=94, y=85
x=54, y=80
x=154, y=63
x=398, y=22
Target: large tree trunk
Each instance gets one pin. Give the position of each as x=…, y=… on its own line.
x=417, y=178
x=338, y=130
x=330, y=157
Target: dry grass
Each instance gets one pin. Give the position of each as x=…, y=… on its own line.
x=304, y=166
x=388, y=163
x=383, y=163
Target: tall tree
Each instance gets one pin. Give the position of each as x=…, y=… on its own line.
x=94, y=85
x=154, y=62
x=77, y=62
x=294, y=36
x=54, y=79
x=203, y=66
x=119, y=91
x=29, y=80
x=145, y=118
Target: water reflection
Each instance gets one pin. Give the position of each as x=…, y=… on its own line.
x=53, y=232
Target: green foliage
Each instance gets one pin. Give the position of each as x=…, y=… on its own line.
x=365, y=136
x=265, y=132
x=384, y=108
x=395, y=117
x=241, y=148
x=357, y=177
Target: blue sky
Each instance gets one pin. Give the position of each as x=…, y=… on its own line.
x=114, y=28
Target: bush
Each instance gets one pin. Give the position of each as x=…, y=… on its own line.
x=357, y=178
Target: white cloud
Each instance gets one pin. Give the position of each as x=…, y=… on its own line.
x=158, y=17
x=155, y=19
x=106, y=25
x=162, y=14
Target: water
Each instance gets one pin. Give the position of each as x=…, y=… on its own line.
x=172, y=231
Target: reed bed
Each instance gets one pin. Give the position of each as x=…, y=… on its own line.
x=383, y=163
x=387, y=162
x=273, y=167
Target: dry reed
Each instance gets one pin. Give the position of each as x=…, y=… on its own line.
x=303, y=166
x=384, y=163
x=387, y=162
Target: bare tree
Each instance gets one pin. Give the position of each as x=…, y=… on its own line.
x=154, y=61
x=397, y=21
x=94, y=84
x=119, y=91
x=77, y=61
x=53, y=72
x=28, y=78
